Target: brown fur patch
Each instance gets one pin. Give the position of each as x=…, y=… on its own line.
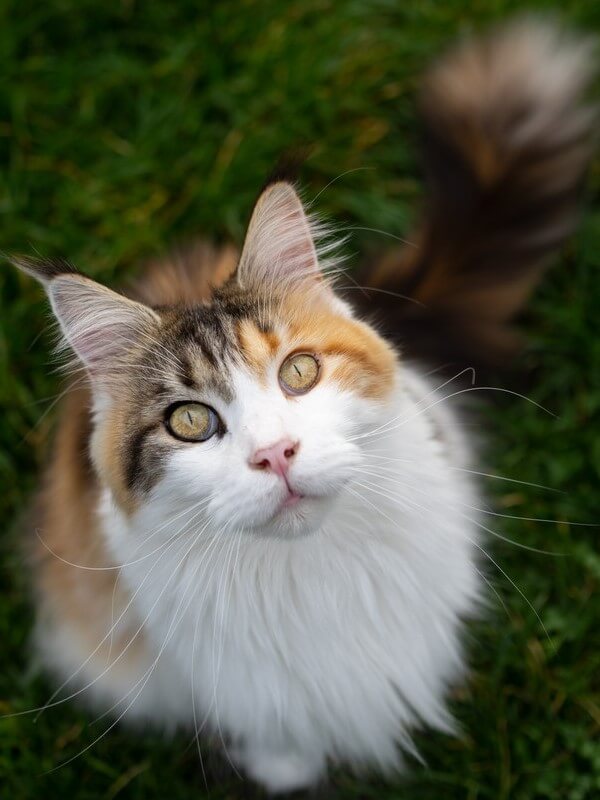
x=508, y=137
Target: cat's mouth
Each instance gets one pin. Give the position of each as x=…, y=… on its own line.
x=292, y=499
x=294, y=506
x=294, y=512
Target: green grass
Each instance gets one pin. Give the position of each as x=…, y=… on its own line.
x=126, y=127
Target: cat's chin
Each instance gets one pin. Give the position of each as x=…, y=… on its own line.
x=303, y=517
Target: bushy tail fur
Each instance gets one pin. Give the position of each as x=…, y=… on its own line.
x=508, y=136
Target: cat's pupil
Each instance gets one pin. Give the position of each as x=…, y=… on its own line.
x=297, y=370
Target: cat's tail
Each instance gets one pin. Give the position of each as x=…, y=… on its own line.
x=508, y=136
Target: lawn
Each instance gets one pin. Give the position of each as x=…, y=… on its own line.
x=128, y=127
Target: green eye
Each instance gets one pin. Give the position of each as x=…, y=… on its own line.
x=299, y=373
x=192, y=422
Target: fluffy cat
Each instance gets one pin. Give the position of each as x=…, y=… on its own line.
x=259, y=518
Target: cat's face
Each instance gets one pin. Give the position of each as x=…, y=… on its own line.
x=244, y=410
x=251, y=405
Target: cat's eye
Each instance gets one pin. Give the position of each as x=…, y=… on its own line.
x=299, y=373
x=192, y=422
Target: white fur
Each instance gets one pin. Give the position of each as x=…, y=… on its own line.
x=323, y=634
x=318, y=633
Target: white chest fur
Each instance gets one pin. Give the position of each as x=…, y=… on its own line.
x=326, y=646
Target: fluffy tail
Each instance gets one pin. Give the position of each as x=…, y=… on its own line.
x=507, y=137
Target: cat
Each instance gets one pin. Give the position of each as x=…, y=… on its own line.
x=260, y=517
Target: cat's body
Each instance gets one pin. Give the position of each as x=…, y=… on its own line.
x=332, y=644
x=335, y=643
x=259, y=520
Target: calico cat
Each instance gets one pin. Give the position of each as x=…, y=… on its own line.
x=259, y=517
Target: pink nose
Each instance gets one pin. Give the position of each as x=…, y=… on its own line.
x=275, y=458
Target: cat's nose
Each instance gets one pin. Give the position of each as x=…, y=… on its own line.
x=275, y=458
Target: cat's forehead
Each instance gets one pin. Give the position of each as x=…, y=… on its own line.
x=200, y=349
x=205, y=341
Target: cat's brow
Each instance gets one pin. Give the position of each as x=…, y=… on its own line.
x=186, y=373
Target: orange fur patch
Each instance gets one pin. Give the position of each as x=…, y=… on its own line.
x=258, y=347
x=108, y=455
x=359, y=359
x=87, y=599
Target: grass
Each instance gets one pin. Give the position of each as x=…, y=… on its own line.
x=126, y=127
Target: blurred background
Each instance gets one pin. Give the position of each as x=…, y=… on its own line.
x=127, y=127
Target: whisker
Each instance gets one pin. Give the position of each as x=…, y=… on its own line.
x=372, y=454
x=50, y=703
x=368, y=484
x=113, y=567
x=496, y=592
x=337, y=178
x=384, y=426
x=514, y=585
x=173, y=624
x=145, y=678
x=385, y=291
x=217, y=668
x=491, y=559
x=378, y=230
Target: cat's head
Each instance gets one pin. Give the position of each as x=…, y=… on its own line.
x=247, y=408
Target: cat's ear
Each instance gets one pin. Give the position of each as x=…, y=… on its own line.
x=280, y=247
x=101, y=326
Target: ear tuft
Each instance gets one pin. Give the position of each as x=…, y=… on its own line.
x=287, y=169
x=42, y=269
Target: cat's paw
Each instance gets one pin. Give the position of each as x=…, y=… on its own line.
x=285, y=771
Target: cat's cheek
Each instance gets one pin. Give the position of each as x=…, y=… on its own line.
x=195, y=472
x=346, y=413
x=216, y=479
